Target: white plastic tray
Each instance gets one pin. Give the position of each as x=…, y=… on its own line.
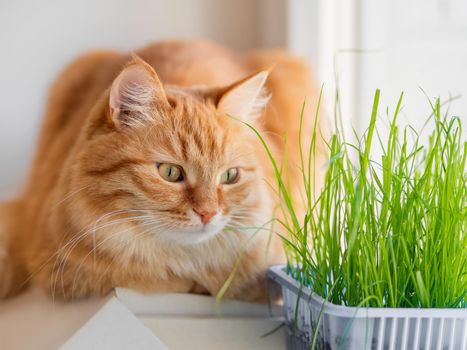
x=343, y=327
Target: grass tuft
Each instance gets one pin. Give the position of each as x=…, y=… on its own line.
x=390, y=232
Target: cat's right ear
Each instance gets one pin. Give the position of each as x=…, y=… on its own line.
x=136, y=95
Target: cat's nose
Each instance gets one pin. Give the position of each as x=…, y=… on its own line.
x=205, y=215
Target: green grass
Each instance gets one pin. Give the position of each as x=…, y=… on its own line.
x=388, y=232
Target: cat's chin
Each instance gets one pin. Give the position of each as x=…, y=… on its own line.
x=194, y=236
x=190, y=238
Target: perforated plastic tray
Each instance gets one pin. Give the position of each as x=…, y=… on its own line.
x=343, y=327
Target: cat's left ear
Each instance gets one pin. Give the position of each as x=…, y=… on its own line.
x=136, y=95
x=246, y=98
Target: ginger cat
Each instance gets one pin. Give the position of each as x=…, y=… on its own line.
x=146, y=178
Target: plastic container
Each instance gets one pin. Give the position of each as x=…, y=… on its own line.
x=343, y=327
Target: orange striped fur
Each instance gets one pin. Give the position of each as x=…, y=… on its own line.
x=96, y=214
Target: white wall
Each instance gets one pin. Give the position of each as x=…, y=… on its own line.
x=417, y=44
x=37, y=38
x=318, y=30
x=408, y=43
x=394, y=45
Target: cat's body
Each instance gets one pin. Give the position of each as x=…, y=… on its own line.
x=93, y=213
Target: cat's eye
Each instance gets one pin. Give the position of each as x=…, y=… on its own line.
x=230, y=176
x=170, y=172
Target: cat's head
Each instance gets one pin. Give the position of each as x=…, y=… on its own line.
x=180, y=163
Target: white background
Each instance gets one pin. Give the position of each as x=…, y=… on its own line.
x=418, y=44
x=38, y=38
x=405, y=45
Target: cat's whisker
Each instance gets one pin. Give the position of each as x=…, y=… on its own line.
x=246, y=213
x=240, y=217
x=241, y=226
x=111, y=236
x=241, y=211
x=111, y=223
x=136, y=218
x=76, y=240
x=138, y=236
x=94, y=224
x=241, y=221
x=68, y=196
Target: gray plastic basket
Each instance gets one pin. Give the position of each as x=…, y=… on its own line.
x=343, y=327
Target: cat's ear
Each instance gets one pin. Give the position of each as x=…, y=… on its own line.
x=246, y=98
x=136, y=95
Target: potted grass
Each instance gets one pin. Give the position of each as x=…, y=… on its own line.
x=379, y=260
